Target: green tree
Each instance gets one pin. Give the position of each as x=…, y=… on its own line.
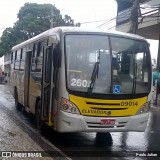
x=7, y=40
x=33, y=19
x=68, y=21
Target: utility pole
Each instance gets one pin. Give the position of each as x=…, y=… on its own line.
x=134, y=17
x=52, y=19
x=51, y=26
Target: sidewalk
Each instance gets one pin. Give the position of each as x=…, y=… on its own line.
x=13, y=136
x=16, y=135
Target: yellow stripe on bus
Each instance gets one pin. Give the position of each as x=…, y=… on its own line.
x=103, y=108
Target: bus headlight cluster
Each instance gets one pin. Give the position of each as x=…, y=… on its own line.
x=68, y=106
x=144, y=108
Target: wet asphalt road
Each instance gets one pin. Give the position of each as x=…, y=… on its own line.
x=86, y=145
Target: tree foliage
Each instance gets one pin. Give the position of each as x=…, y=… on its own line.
x=33, y=19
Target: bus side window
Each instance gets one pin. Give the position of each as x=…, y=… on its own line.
x=40, y=49
x=22, y=59
x=11, y=57
x=34, y=50
x=17, y=60
x=39, y=57
x=34, y=59
x=15, y=55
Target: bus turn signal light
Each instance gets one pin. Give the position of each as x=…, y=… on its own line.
x=69, y=107
x=144, y=108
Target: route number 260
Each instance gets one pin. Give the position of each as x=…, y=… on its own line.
x=79, y=83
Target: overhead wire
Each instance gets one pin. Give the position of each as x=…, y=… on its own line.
x=94, y=21
x=106, y=23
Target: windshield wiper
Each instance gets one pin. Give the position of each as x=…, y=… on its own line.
x=134, y=79
x=94, y=74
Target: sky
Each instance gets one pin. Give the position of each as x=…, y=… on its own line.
x=79, y=10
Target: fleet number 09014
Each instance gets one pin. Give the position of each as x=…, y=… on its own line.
x=129, y=103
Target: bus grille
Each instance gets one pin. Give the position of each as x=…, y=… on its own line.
x=106, y=106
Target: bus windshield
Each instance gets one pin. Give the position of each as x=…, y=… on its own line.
x=123, y=66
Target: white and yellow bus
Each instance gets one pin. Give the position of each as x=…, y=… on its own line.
x=78, y=80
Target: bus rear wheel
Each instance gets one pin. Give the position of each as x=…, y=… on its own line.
x=39, y=123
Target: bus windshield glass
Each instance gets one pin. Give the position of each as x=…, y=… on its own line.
x=123, y=67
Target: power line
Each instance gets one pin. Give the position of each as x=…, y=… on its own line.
x=106, y=23
x=112, y=27
x=94, y=21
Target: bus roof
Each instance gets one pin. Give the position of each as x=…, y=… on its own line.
x=100, y=30
x=66, y=29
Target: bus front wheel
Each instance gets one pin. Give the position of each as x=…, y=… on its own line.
x=104, y=139
x=38, y=113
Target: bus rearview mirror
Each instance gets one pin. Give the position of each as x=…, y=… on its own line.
x=56, y=57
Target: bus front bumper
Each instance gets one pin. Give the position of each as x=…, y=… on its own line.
x=67, y=122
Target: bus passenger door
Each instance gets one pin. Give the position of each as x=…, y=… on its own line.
x=26, y=78
x=46, y=83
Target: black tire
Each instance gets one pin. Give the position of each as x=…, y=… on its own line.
x=104, y=139
x=39, y=123
x=17, y=105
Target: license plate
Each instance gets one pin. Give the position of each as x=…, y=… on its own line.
x=108, y=121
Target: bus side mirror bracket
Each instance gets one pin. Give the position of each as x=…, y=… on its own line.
x=57, y=57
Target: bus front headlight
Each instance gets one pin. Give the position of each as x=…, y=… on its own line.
x=68, y=106
x=144, y=108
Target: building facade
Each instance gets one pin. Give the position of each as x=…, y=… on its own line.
x=141, y=17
